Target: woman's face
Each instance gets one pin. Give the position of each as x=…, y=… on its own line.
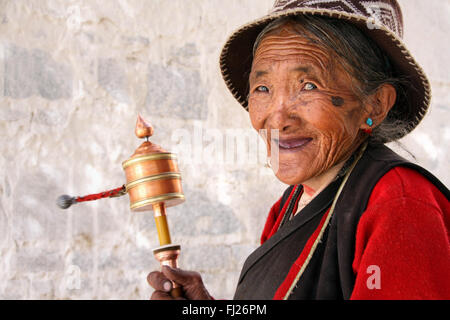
x=297, y=88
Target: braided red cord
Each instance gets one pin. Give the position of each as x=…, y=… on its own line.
x=101, y=195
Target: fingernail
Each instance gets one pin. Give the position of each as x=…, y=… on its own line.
x=167, y=286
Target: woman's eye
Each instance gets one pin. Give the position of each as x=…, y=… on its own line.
x=262, y=89
x=309, y=86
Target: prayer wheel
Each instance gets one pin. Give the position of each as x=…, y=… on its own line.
x=153, y=183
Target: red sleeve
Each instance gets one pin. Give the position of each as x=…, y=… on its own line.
x=402, y=241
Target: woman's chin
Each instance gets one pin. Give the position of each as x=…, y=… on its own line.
x=292, y=175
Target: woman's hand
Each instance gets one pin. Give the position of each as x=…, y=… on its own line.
x=191, y=284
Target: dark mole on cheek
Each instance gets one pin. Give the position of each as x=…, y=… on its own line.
x=337, y=101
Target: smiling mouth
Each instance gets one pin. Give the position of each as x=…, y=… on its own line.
x=292, y=145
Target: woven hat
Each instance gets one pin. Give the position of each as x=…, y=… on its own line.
x=380, y=20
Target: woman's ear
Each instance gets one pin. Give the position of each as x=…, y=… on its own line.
x=381, y=102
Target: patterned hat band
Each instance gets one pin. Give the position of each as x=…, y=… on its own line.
x=386, y=13
x=379, y=20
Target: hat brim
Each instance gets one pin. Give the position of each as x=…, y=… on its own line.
x=237, y=55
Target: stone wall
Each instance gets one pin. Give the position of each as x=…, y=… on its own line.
x=73, y=77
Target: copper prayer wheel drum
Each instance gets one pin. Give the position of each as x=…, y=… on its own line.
x=152, y=174
x=153, y=178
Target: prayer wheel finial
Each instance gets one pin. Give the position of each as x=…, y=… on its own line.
x=143, y=128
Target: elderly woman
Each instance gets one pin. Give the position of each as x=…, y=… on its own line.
x=357, y=221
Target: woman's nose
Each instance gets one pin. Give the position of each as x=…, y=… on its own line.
x=280, y=112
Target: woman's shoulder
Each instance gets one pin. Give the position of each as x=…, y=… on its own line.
x=408, y=184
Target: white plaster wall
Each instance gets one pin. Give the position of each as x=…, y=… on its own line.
x=73, y=77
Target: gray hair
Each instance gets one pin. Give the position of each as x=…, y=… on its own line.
x=368, y=65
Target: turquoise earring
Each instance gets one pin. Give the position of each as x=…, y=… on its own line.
x=369, y=122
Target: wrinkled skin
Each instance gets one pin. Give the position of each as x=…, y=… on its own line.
x=297, y=88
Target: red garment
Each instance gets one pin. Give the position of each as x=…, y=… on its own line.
x=404, y=232
x=402, y=246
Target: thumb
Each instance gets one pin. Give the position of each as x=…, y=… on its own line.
x=190, y=281
x=182, y=277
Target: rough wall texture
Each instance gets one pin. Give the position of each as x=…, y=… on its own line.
x=73, y=77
